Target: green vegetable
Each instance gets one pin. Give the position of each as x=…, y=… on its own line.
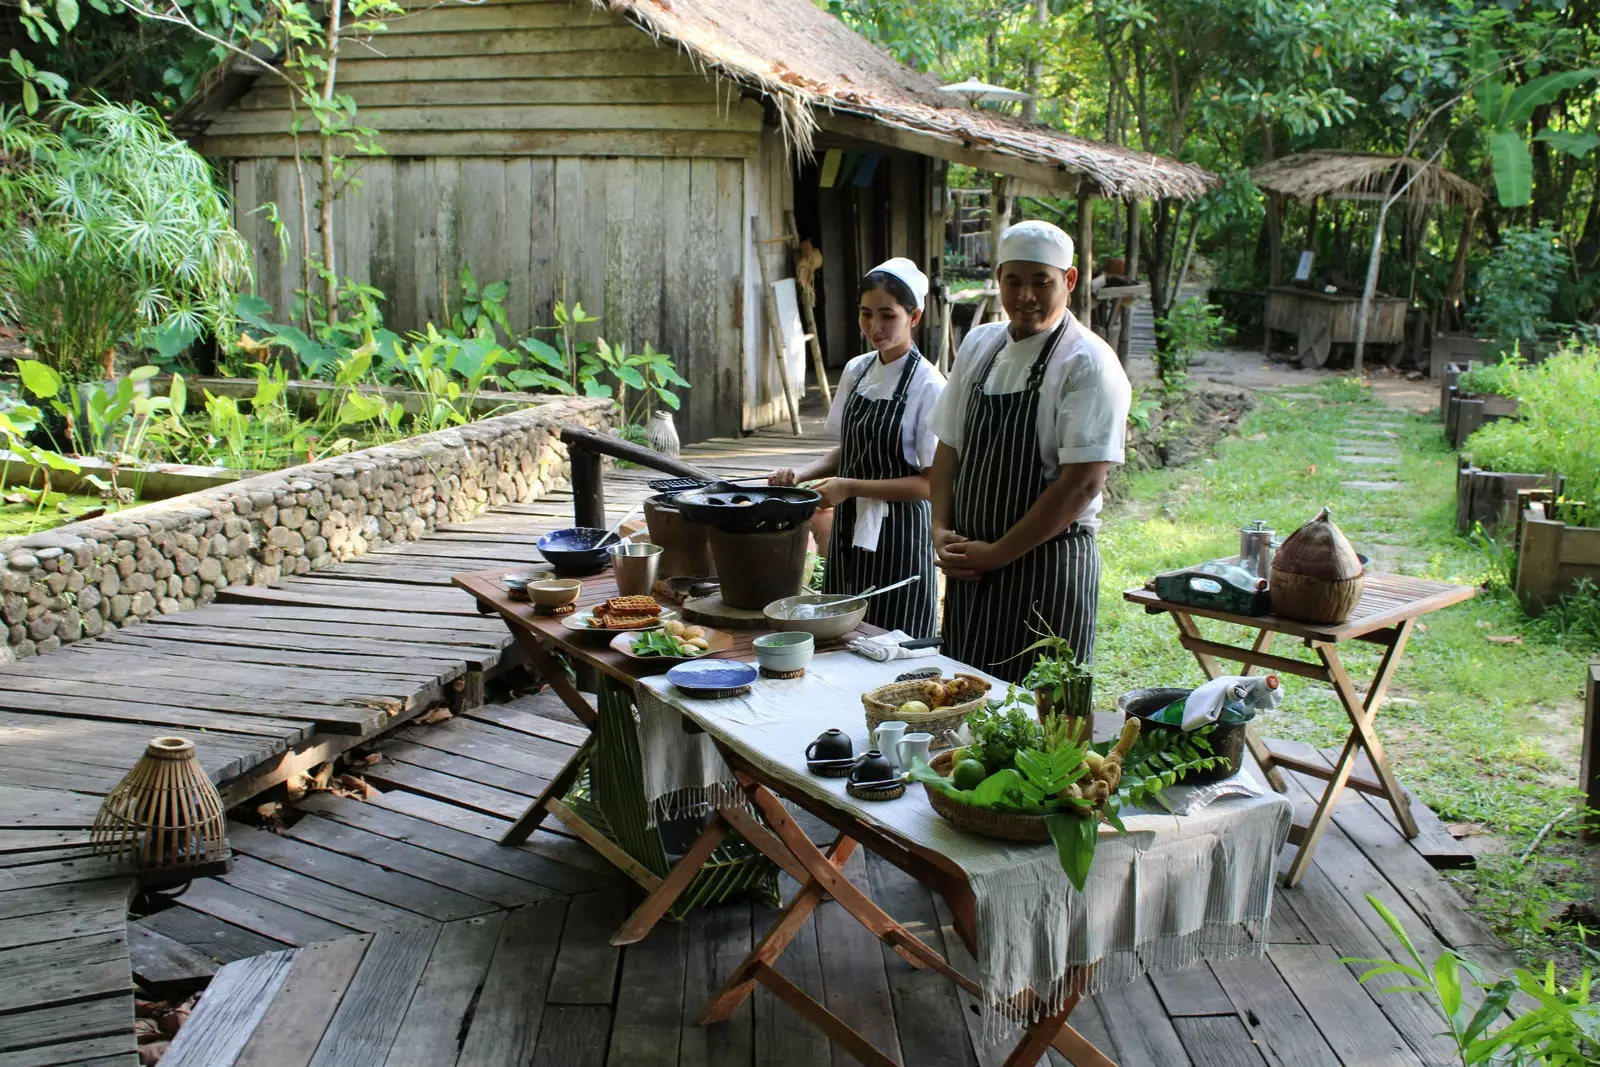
x=1000, y=731
x=661, y=643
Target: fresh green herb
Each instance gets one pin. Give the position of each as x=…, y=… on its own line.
x=661, y=643
x=1000, y=730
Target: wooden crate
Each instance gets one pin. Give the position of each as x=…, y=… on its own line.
x=1451, y=348
x=1552, y=557
x=1490, y=497
x=1589, y=756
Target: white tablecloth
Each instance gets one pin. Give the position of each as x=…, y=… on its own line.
x=1169, y=893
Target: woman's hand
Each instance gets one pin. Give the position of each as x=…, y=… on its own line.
x=783, y=476
x=946, y=545
x=973, y=557
x=835, y=491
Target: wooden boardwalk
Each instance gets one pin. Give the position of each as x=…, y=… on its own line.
x=396, y=931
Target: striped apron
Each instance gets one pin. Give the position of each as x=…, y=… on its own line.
x=1057, y=585
x=870, y=448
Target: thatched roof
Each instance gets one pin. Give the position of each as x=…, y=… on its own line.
x=1363, y=176
x=807, y=61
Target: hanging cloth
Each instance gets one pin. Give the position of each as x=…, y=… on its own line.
x=870, y=448
x=989, y=620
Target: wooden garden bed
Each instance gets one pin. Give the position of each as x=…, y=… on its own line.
x=1552, y=557
x=1490, y=497
x=1465, y=412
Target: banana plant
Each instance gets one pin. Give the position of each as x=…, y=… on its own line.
x=1506, y=107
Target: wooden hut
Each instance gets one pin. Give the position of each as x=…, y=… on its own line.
x=634, y=155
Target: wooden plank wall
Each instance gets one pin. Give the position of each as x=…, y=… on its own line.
x=489, y=165
x=774, y=195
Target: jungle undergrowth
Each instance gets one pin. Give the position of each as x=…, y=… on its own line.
x=1482, y=731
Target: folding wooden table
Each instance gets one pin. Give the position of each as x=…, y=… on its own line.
x=1389, y=608
x=632, y=845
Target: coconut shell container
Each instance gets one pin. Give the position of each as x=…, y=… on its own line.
x=1316, y=574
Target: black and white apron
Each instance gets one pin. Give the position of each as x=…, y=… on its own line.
x=870, y=447
x=1057, y=585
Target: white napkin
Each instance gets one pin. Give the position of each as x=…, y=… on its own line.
x=1188, y=799
x=870, y=513
x=886, y=647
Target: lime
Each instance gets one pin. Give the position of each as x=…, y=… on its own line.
x=968, y=774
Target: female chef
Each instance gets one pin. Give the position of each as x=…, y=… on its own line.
x=877, y=478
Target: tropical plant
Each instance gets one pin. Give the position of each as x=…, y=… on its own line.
x=1554, y=431
x=1506, y=107
x=106, y=422
x=1492, y=379
x=1517, y=287
x=1562, y=1029
x=1141, y=410
x=649, y=374
x=110, y=226
x=482, y=306
x=1191, y=327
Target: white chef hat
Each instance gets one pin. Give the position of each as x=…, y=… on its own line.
x=1036, y=241
x=902, y=268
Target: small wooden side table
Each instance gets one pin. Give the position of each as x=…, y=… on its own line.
x=1390, y=606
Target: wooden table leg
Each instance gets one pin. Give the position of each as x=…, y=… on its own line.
x=558, y=788
x=661, y=899
x=553, y=674
x=1362, y=715
x=1187, y=628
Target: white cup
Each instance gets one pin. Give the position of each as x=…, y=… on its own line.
x=913, y=747
x=886, y=739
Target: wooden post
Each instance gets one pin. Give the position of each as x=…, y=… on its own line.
x=588, y=488
x=808, y=315
x=1274, y=238
x=1125, y=335
x=770, y=303
x=1538, y=559
x=1085, y=241
x=1589, y=772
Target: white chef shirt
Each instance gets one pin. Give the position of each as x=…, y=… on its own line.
x=1083, y=399
x=868, y=375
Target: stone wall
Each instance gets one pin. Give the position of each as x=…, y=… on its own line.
x=76, y=581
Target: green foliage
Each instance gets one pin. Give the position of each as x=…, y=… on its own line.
x=1517, y=287
x=1555, y=427
x=1492, y=379
x=1505, y=106
x=1563, y=1030
x=1191, y=327
x=611, y=371
x=1000, y=731
x=108, y=226
x=1141, y=410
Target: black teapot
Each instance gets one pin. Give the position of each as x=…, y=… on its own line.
x=873, y=768
x=830, y=745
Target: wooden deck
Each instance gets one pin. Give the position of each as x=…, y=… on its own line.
x=397, y=932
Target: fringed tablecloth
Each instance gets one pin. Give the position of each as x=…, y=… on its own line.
x=1171, y=892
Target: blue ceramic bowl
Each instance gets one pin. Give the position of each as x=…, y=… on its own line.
x=702, y=676
x=573, y=550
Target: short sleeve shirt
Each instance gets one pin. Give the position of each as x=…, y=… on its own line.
x=868, y=375
x=1084, y=397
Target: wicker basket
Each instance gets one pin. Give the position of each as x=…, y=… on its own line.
x=1308, y=599
x=883, y=705
x=1008, y=826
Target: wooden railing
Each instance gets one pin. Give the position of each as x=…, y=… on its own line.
x=587, y=450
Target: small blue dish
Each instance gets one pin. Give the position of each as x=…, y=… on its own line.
x=708, y=677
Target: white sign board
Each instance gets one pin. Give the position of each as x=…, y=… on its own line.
x=1302, y=271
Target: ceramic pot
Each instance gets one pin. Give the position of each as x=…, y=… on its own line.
x=874, y=766
x=662, y=434
x=685, y=551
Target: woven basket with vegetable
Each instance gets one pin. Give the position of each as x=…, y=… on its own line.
x=1021, y=780
x=944, y=703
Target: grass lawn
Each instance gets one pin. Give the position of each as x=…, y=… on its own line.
x=1485, y=733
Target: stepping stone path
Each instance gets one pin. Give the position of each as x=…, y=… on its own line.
x=1367, y=447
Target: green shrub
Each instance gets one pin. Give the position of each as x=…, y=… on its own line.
x=110, y=226
x=1517, y=287
x=1558, y=428
x=1493, y=379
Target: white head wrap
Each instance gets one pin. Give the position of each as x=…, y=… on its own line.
x=906, y=271
x=1036, y=241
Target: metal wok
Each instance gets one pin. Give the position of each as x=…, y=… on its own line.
x=741, y=509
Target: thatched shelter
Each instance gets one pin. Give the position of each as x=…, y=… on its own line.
x=1365, y=176
x=633, y=156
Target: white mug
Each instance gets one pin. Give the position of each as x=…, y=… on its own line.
x=914, y=747
x=886, y=739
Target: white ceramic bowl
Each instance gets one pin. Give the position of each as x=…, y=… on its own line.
x=553, y=592
x=784, y=651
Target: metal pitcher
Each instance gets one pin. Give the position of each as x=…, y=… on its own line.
x=1255, y=548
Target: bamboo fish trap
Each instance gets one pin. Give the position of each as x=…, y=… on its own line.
x=165, y=816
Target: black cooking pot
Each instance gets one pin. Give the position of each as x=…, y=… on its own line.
x=1227, y=739
x=573, y=550
x=744, y=509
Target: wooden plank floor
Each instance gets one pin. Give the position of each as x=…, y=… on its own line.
x=311, y=666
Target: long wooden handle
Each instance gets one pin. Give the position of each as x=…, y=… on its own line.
x=615, y=447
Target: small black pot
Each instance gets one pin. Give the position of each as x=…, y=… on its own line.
x=1227, y=739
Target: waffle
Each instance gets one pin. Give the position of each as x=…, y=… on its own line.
x=629, y=605
x=629, y=622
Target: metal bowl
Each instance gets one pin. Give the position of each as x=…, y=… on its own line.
x=573, y=550
x=827, y=628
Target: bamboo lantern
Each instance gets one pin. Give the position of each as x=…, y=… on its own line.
x=165, y=815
